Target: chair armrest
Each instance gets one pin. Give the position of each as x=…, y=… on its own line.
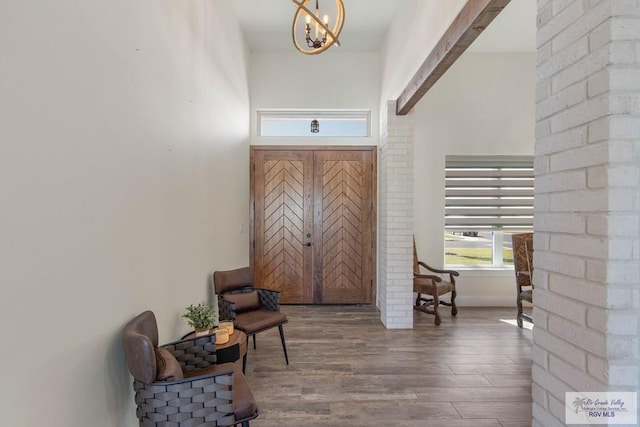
x=427, y=276
x=269, y=299
x=226, y=309
x=214, y=391
x=229, y=373
x=439, y=271
x=194, y=353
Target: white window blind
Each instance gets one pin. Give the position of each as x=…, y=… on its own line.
x=489, y=193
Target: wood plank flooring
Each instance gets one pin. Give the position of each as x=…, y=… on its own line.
x=347, y=369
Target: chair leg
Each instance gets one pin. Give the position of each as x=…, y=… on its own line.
x=454, y=309
x=254, y=341
x=284, y=346
x=436, y=302
x=519, y=318
x=244, y=359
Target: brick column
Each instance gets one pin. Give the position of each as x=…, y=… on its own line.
x=395, y=216
x=587, y=222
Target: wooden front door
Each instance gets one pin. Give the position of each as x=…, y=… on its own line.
x=313, y=223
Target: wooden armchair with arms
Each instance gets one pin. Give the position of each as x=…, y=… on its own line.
x=523, y=266
x=429, y=288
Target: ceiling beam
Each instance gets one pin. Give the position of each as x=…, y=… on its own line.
x=474, y=17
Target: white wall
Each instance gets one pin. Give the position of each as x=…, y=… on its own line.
x=333, y=80
x=413, y=33
x=124, y=131
x=484, y=105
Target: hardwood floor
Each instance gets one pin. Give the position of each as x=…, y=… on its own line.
x=347, y=369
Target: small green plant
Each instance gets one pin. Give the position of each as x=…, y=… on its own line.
x=201, y=316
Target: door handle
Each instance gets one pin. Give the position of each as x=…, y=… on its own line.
x=308, y=244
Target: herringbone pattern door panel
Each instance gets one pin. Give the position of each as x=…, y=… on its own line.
x=342, y=224
x=312, y=224
x=284, y=223
x=283, y=217
x=341, y=218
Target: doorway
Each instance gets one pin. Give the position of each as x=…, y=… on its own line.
x=313, y=215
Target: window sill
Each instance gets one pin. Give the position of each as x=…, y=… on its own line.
x=484, y=271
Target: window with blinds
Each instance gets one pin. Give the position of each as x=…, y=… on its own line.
x=488, y=193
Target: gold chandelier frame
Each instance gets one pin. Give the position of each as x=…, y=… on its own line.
x=331, y=33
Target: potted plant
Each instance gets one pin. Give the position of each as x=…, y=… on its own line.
x=201, y=317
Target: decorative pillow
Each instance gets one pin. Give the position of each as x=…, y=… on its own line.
x=244, y=301
x=167, y=366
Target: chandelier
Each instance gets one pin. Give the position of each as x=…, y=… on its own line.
x=317, y=35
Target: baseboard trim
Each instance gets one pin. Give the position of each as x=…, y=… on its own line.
x=481, y=301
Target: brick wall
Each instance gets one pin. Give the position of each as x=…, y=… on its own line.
x=395, y=216
x=587, y=204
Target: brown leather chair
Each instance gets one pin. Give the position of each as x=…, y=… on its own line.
x=523, y=266
x=252, y=309
x=430, y=287
x=180, y=384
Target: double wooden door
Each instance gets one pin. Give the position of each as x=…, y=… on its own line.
x=313, y=223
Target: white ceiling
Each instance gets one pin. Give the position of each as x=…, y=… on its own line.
x=266, y=25
x=513, y=30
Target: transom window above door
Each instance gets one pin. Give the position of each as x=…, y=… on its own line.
x=314, y=123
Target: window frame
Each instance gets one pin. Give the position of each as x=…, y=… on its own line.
x=304, y=114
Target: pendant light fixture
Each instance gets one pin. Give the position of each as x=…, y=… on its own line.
x=315, y=126
x=317, y=36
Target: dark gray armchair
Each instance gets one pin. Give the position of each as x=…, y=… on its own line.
x=252, y=309
x=179, y=384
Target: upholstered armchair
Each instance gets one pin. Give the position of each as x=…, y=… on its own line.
x=523, y=266
x=179, y=384
x=252, y=309
x=430, y=287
